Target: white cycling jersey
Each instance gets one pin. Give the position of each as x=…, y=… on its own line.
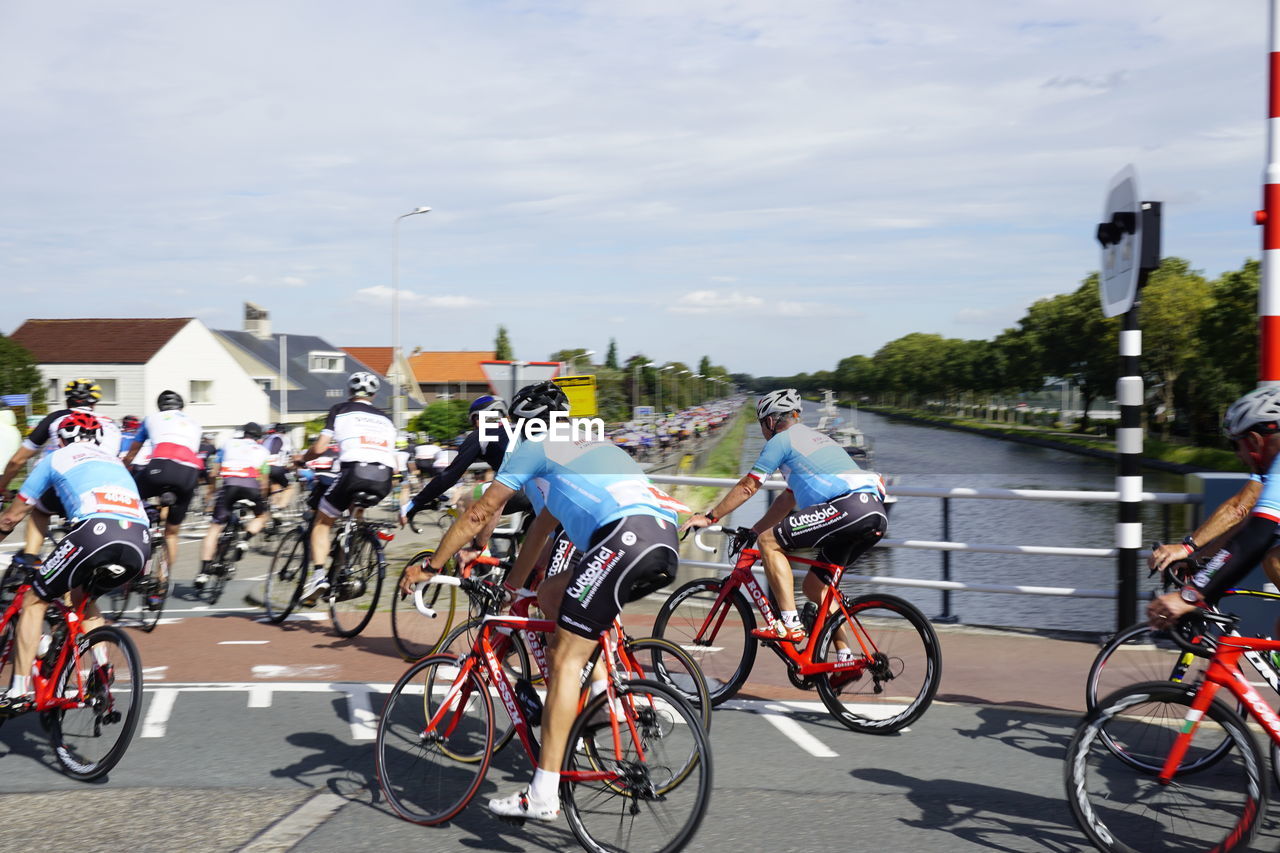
x=171, y=435
x=362, y=433
x=242, y=459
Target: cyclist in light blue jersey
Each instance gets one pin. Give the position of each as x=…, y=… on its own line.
x=626, y=530
x=831, y=505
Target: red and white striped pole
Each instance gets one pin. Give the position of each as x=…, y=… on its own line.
x=1269, y=219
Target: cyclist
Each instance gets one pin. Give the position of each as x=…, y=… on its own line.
x=110, y=528
x=206, y=452
x=424, y=454
x=366, y=439
x=243, y=464
x=174, y=466
x=281, y=450
x=1252, y=423
x=128, y=429
x=841, y=511
x=628, y=538
x=81, y=396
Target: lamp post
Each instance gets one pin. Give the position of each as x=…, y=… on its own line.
x=397, y=399
x=699, y=390
x=659, y=384
x=635, y=378
x=680, y=391
x=573, y=362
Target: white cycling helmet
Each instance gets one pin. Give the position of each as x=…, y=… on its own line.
x=363, y=384
x=778, y=402
x=1258, y=408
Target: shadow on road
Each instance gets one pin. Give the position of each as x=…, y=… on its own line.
x=1045, y=736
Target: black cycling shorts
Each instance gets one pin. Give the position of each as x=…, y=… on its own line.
x=166, y=475
x=125, y=546
x=564, y=556
x=279, y=476
x=841, y=530
x=356, y=477
x=320, y=484
x=227, y=497
x=423, y=466
x=627, y=559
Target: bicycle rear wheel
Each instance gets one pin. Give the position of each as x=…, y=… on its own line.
x=287, y=576
x=662, y=660
x=422, y=780
x=659, y=782
x=1123, y=807
x=417, y=636
x=719, y=640
x=151, y=584
x=106, y=676
x=357, y=587
x=898, y=664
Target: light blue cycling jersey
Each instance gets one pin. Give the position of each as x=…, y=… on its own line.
x=90, y=482
x=815, y=467
x=588, y=484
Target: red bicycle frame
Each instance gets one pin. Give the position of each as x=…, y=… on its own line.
x=45, y=686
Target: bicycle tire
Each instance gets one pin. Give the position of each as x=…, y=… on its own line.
x=118, y=601
x=408, y=758
x=282, y=589
x=148, y=616
x=1131, y=807
x=222, y=565
x=673, y=666
x=355, y=592
x=726, y=651
x=417, y=636
x=670, y=801
x=906, y=665
x=8, y=653
x=90, y=740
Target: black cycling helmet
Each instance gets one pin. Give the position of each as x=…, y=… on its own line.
x=82, y=392
x=169, y=400
x=252, y=430
x=537, y=402
x=280, y=428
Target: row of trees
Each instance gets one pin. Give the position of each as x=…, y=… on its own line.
x=1199, y=337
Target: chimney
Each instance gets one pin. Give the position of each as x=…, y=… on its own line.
x=257, y=321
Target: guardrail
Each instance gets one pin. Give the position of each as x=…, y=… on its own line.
x=945, y=546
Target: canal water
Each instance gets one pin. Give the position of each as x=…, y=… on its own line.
x=914, y=455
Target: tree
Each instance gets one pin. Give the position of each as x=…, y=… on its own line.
x=611, y=357
x=442, y=420
x=18, y=372
x=1174, y=294
x=502, y=346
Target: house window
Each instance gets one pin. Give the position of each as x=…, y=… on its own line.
x=108, y=387
x=265, y=383
x=55, y=393
x=326, y=362
x=201, y=391
x=333, y=392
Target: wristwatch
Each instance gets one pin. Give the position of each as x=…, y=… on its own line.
x=1190, y=544
x=1191, y=595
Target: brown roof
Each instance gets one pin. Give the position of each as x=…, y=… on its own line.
x=451, y=366
x=97, y=341
x=379, y=358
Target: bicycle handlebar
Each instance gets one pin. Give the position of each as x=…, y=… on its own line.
x=1183, y=636
x=697, y=537
x=446, y=580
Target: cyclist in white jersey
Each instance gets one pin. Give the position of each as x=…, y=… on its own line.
x=366, y=440
x=280, y=447
x=831, y=505
x=81, y=396
x=243, y=465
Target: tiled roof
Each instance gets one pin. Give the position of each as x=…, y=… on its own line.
x=450, y=366
x=97, y=341
x=379, y=358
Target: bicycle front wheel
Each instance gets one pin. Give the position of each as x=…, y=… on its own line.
x=1122, y=807
x=896, y=664
x=417, y=636
x=105, y=676
x=1139, y=653
x=657, y=781
x=419, y=733
x=718, y=636
x=287, y=576
x=355, y=593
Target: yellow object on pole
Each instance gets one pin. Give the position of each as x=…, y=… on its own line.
x=581, y=391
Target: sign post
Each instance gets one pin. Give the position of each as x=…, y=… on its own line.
x=1130, y=238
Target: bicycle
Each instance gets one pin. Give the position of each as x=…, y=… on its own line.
x=154, y=579
x=637, y=752
x=233, y=542
x=1137, y=772
x=417, y=637
x=357, y=567
x=88, y=686
x=888, y=683
x=282, y=589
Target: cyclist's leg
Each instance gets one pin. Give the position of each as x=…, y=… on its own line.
x=1271, y=565
x=19, y=693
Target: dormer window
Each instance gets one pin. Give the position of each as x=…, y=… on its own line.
x=326, y=362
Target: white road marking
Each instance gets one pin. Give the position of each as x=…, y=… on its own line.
x=299, y=617
x=157, y=720
x=276, y=671
x=259, y=697
x=797, y=735
x=283, y=835
x=243, y=642
x=153, y=673
x=364, y=723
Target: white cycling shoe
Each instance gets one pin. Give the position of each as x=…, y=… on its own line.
x=520, y=805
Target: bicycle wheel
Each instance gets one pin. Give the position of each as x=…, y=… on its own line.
x=223, y=564
x=662, y=660
x=659, y=782
x=898, y=664
x=417, y=636
x=719, y=640
x=106, y=675
x=1121, y=807
x=511, y=651
x=152, y=584
x=286, y=577
x=8, y=650
x=421, y=780
x=359, y=583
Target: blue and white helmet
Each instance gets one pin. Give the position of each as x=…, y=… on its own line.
x=1258, y=411
x=779, y=402
x=363, y=384
x=487, y=403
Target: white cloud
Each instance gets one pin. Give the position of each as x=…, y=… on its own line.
x=382, y=295
x=293, y=281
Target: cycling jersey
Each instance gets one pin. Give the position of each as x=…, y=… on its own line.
x=815, y=467
x=45, y=433
x=426, y=452
x=325, y=462
x=473, y=449
x=589, y=484
x=242, y=459
x=280, y=449
x=204, y=451
x=362, y=433
x=89, y=481
x=126, y=440
x=444, y=459
x=173, y=435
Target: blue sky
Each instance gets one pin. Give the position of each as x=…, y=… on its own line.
x=777, y=185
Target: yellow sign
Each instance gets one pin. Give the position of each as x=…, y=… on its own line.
x=581, y=391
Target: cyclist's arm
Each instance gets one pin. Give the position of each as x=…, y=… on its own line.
x=780, y=509
x=471, y=522
x=741, y=492
x=12, y=516
x=1226, y=569
x=468, y=453
x=1228, y=514
x=19, y=458
x=264, y=478
x=534, y=543
x=318, y=447
x=139, y=437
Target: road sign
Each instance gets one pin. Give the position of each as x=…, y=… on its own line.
x=1120, y=234
x=16, y=399
x=508, y=377
x=581, y=391
x=642, y=413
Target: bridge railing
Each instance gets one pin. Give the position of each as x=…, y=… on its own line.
x=945, y=546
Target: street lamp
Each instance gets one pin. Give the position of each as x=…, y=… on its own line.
x=573, y=361
x=680, y=391
x=635, y=378
x=699, y=389
x=397, y=400
x=659, y=383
